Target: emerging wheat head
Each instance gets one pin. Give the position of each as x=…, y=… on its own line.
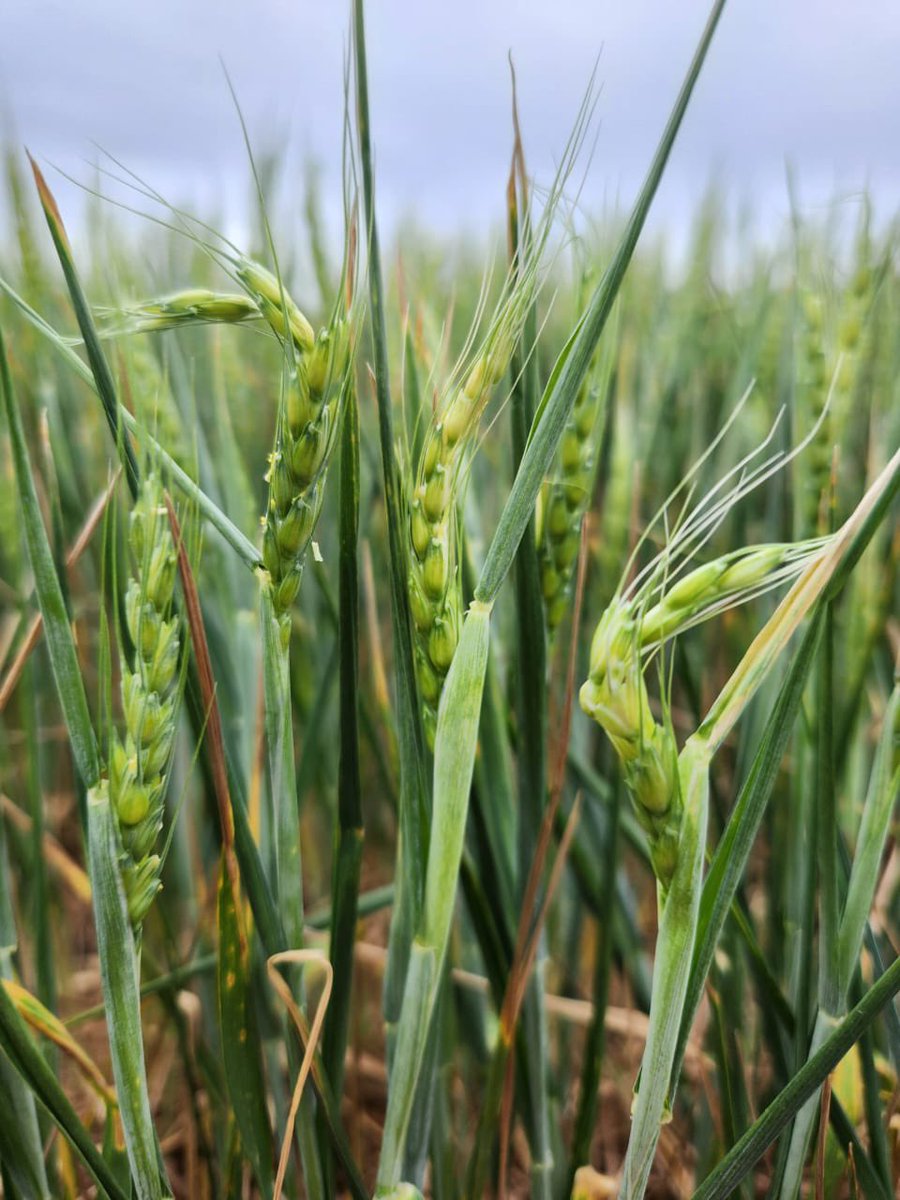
x=139, y=755
x=664, y=599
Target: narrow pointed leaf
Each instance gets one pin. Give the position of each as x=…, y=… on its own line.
x=413, y=771
x=559, y=396
x=106, y=388
x=348, y=857
x=25, y=1057
x=733, y=850
x=740, y=1161
x=57, y=631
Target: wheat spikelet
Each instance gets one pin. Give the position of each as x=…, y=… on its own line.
x=151, y=694
x=191, y=306
x=435, y=593
x=312, y=387
x=567, y=494
x=314, y=375
x=661, y=601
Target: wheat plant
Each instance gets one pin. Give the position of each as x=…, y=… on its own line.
x=315, y=877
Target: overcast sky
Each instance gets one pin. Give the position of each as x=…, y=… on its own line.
x=813, y=82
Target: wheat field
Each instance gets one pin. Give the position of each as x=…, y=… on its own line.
x=449, y=694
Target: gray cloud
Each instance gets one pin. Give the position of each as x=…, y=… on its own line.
x=813, y=81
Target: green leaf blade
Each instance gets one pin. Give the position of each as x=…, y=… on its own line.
x=58, y=632
x=241, y=1051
